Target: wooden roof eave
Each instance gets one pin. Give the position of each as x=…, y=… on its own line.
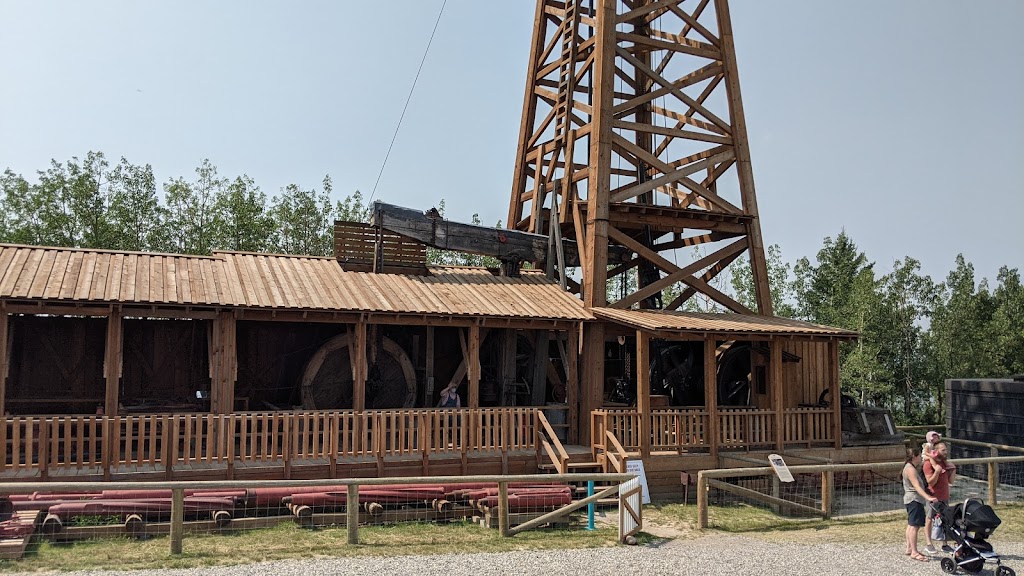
x=694, y=335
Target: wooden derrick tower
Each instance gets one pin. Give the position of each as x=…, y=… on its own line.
x=633, y=135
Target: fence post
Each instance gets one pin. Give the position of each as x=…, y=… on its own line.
x=827, y=492
x=776, y=493
x=993, y=477
x=702, y=500
x=177, y=519
x=352, y=513
x=503, y=508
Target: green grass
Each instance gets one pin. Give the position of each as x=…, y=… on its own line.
x=289, y=541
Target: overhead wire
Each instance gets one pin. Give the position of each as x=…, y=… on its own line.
x=407, y=100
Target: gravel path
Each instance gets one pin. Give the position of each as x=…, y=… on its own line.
x=711, y=555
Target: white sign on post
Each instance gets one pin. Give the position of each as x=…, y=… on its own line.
x=637, y=467
x=781, y=470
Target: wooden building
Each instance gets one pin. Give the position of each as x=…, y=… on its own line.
x=123, y=365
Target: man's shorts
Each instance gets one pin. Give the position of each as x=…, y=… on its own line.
x=915, y=514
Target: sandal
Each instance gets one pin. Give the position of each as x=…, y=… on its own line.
x=919, y=557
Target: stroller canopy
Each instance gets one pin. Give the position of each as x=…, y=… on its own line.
x=976, y=515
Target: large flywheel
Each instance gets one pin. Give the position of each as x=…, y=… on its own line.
x=327, y=380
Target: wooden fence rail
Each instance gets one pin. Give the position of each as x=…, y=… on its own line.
x=714, y=478
x=352, y=524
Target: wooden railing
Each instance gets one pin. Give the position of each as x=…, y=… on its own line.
x=671, y=430
x=680, y=430
x=549, y=446
x=746, y=428
x=101, y=444
x=808, y=426
x=689, y=429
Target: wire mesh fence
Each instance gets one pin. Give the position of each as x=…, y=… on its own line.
x=142, y=511
x=837, y=490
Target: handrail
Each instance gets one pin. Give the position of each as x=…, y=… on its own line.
x=975, y=443
x=561, y=462
x=617, y=458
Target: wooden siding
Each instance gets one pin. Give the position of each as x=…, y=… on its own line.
x=805, y=380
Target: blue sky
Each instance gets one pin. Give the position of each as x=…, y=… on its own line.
x=901, y=121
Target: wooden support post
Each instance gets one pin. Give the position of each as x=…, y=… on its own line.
x=993, y=478
x=352, y=513
x=507, y=368
x=503, y=524
x=359, y=368
x=224, y=362
x=592, y=382
x=112, y=363
x=778, y=391
x=836, y=394
x=429, y=399
x=643, y=390
x=540, y=367
x=4, y=361
x=711, y=393
x=474, y=366
x=572, y=385
x=177, y=519
x=702, y=500
x=827, y=492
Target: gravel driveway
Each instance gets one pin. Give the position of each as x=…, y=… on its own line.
x=710, y=555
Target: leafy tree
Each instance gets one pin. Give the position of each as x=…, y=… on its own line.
x=1007, y=324
x=304, y=220
x=192, y=221
x=741, y=278
x=21, y=218
x=135, y=211
x=245, y=223
x=353, y=209
x=959, y=343
x=86, y=186
x=825, y=290
x=908, y=299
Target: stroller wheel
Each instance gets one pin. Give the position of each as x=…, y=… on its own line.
x=949, y=566
x=1005, y=571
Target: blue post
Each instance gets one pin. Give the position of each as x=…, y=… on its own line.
x=590, y=507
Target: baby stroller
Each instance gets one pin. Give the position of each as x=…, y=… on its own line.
x=968, y=525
